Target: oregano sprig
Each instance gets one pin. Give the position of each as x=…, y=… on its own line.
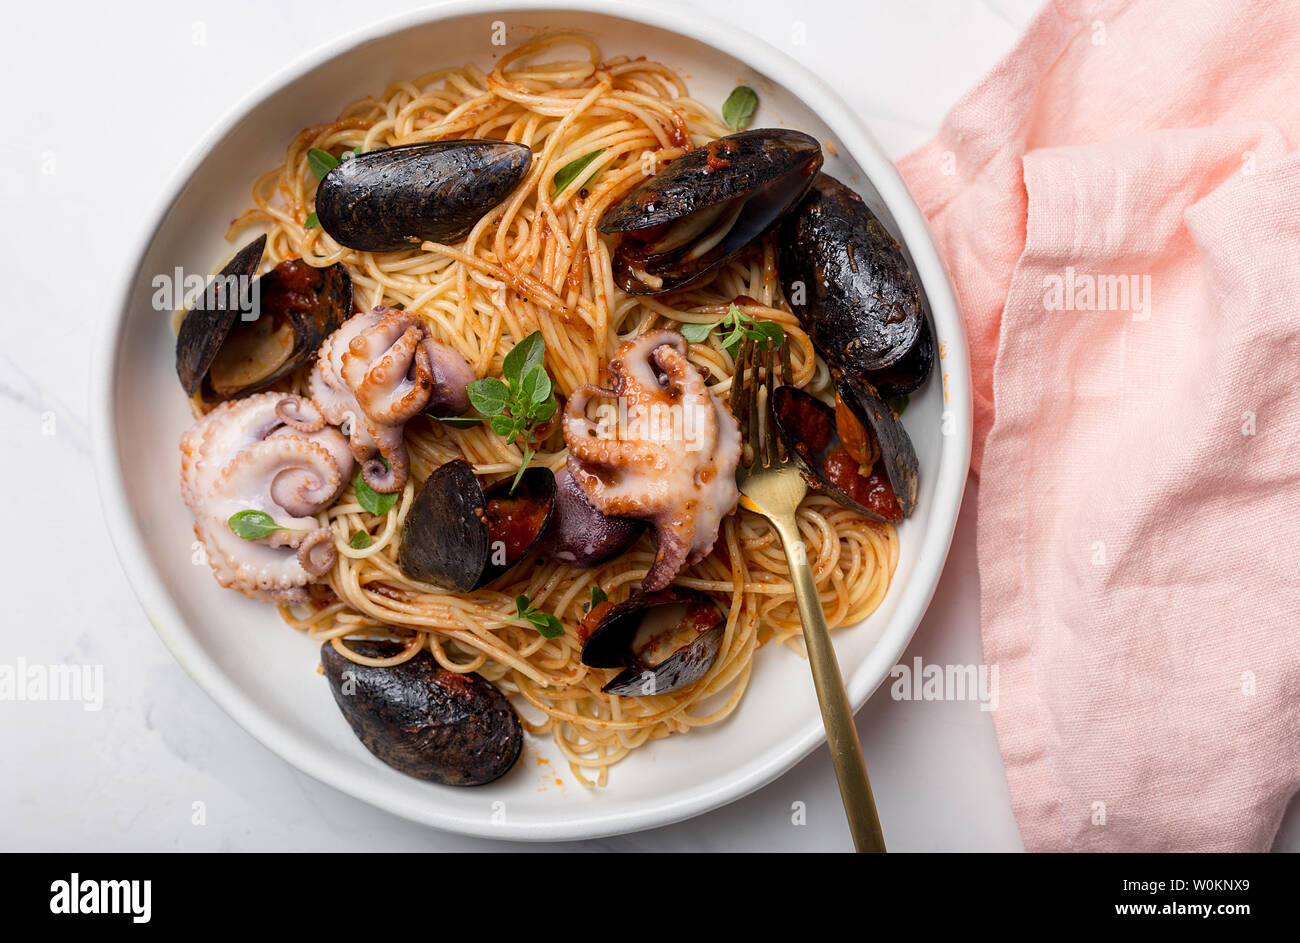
x=737, y=326
x=521, y=400
x=546, y=624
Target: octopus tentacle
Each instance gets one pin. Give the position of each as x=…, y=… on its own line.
x=243, y=456
x=316, y=553
x=378, y=371
x=674, y=464
x=300, y=414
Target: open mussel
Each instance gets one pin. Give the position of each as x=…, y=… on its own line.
x=579, y=535
x=398, y=197
x=708, y=205
x=459, y=536
x=853, y=291
x=858, y=453
x=423, y=720
x=246, y=334
x=663, y=640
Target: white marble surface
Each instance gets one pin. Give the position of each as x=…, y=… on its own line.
x=102, y=102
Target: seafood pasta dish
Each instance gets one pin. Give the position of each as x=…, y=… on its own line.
x=462, y=400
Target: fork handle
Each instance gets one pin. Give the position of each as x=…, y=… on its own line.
x=837, y=715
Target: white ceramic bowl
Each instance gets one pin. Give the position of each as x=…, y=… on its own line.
x=262, y=673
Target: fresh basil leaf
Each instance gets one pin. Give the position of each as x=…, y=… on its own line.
x=254, y=525
x=546, y=624
x=528, y=353
x=312, y=222
x=697, y=333
x=899, y=403
x=489, y=396
x=738, y=109
x=521, y=605
x=597, y=596
x=360, y=540
x=535, y=387
x=377, y=503
x=321, y=162
x=570, y=171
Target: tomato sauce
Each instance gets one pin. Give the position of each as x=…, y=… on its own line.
x=873, y=491
x=514, y=522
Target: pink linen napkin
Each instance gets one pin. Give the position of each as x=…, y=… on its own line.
x=1119, y=205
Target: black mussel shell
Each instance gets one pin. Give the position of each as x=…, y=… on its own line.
x=399, y=197
x=910, y=373
x=808, y=428
x=847, y=281
x=732, y=190
x=457, y=536
x=579, y=535
x=612, y=643
x=205, y=327
x=423, y=720
x=896, y=452
x=298, y=307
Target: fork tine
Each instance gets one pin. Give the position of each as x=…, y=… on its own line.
x=737, y=391
x=772, y=454
x=752, y=430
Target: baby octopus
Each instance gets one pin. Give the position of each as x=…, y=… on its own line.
x=377, y=372
x=271, y=453
x=673, y=462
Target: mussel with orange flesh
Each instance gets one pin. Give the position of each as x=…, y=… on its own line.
x=706, y=206
x=857, y=452
x=423, y=720
x=398, y=197
x=461, y=537
x=663, y=641
x=231, y=346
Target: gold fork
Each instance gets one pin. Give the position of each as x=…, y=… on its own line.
x=772, y=485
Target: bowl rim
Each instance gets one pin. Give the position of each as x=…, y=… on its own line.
x=915, y=595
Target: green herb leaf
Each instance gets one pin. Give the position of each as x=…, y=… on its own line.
x=770, y=331
x=528, y=353
x=489, y=396
x=535, y=387
x=542, y=412
x=899, y=403
x=504, y=426
x=321, y=162
x=360, y=540
x=546, y=624
x=698, y=333
x=373, y=501
x=570, y=171
x=597, y=597
x=254, y=525
x=312, y=222
x=738, y=109
x=457, y=422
